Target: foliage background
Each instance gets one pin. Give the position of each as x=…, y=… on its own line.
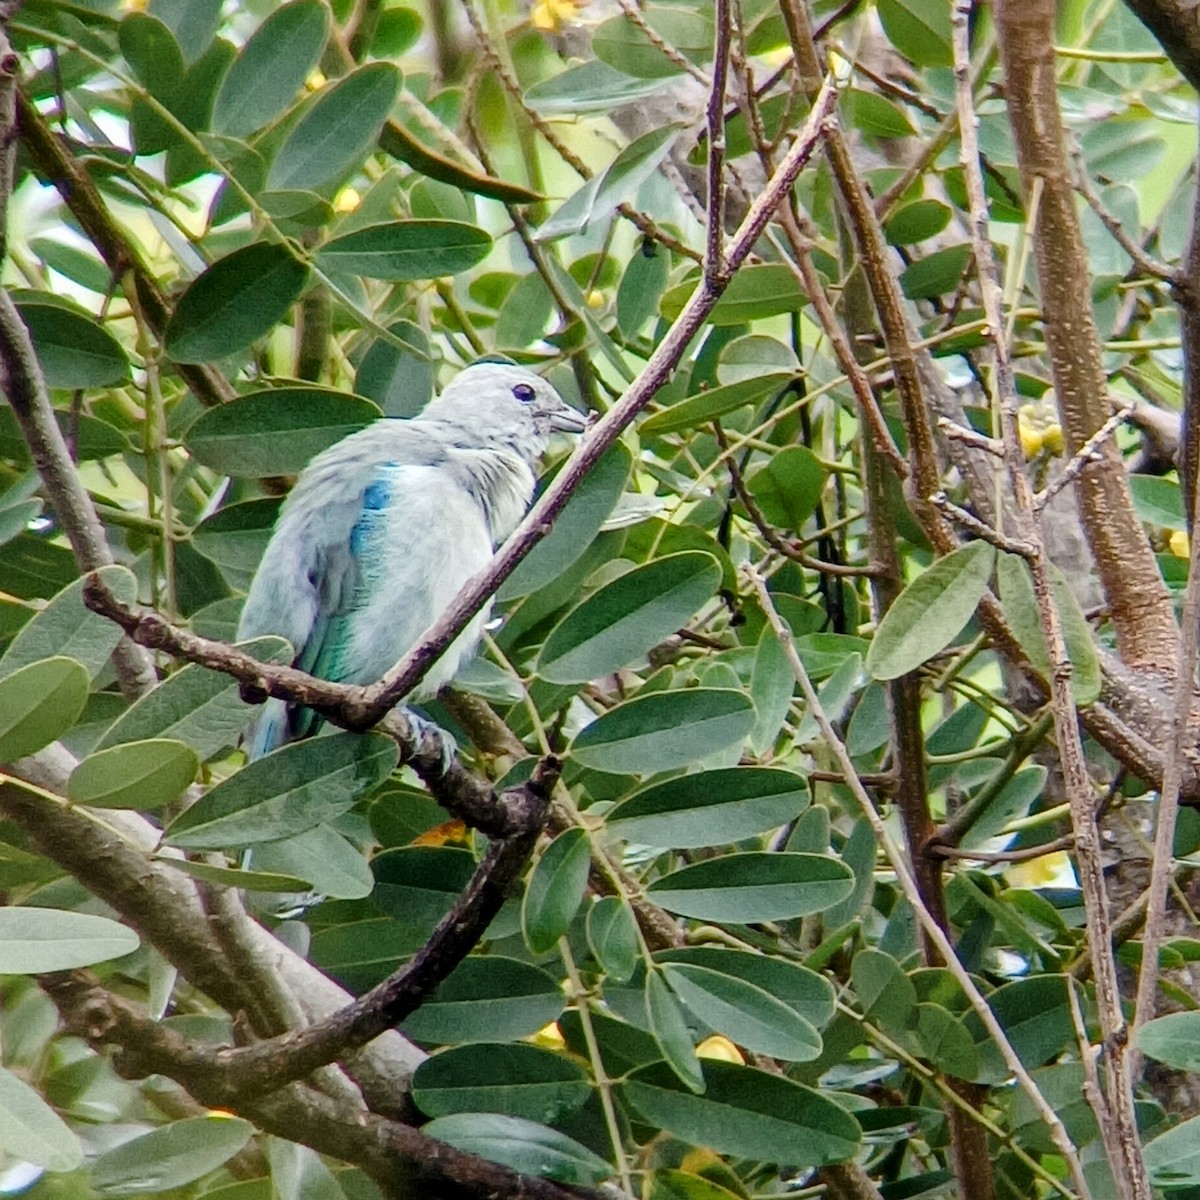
x=910, y=396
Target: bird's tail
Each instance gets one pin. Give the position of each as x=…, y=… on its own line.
x=268, y=731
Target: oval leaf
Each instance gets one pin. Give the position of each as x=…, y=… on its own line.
x=628, y=617
x=338, y=130
x=141, y=775
x=612, y=936
x=747, y=1113
x=931, y=611
x=746, y=1014
x=754, y=886
x=67, y=628
x=195, y=705
x=487, y=998
x=522, y=1145
x=31, y=1131
x=1174, y=1040
x=35, y=940
x=287, y=792
x=515, y=1079
x=404, y=250
x=711, y=808
x=664, y=730
x=73, y=350
x=170, y=1156
x=277, y=431
x=38, y=703
x=555, y=890
x=236, y=301
x=671, y=1032
x=271, y=68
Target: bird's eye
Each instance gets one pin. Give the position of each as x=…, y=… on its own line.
x=523, y=392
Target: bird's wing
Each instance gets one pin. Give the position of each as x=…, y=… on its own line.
x=353, y=576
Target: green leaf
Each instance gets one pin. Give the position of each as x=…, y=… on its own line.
x=332, y=865
x=91, y=437
x=361, y=954
x=671, y=1032
x=1015, y=585
x=886, y=994
x=876, y=116
x=399, y=380
x=589, y=87
x=931, y=611
x=757, y=291
x=337, y=131
x=271, y=68
x=748, y=1113
x=1173, y=1158
x=628, y=617
x=745, y=1013
x=575, y=528
x=1158, y=501
x=1035, y=1013
x=515, y=1079
x=715, y=402
x=1174, y=1040
x=276, y=431
x=39, y=703
x=555, y=890
x=236, y=301
x=31, y=1131
x=664, y=730
x=806, y=993
x=406, y=250
x=74, y=351
x=235, y=537
x=788, y=489
x=946, y=1042
x=670, y=1183
x=170, y=1156
x=142, y=775
x=521, y=1145
x=603, y=193
x=772, y=685
x=753, y=886
x=622, y=45
x=418, y=884
x=712, y=808
x=287, y=792
x=66, y=627
x=642, y=285
x=919, y=29
x=36, y=940
x=195, y=705
x=235, y=877
x=936, y=273
x=487, y=998
x=612, y=936
x=917, y=221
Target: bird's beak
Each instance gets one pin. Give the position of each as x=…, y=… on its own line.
x=567, y=420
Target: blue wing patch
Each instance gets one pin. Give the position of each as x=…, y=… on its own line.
x=375, y=499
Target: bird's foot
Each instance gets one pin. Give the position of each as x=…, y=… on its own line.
x=423, y=727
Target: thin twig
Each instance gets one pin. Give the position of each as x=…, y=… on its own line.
x=904, y=878
x=714, y=253
x=981, y=529
x=1088, y=453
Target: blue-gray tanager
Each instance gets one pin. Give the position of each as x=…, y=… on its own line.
x=383, y=529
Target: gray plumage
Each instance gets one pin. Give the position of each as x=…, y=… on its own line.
x=383, y=529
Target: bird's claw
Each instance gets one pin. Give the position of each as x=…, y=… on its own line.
x=423, y=727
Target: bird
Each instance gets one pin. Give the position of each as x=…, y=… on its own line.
x=382, y=529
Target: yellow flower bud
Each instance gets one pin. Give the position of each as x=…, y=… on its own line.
x=315, y=81
x=549, y=1037
x=549, y=15
x=1031, y=440
x=1180, y=544
x=347, y=200
x=1052, y=438
x=595, y=299
x=720, y=1048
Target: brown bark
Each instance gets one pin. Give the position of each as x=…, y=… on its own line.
x=1140, y=605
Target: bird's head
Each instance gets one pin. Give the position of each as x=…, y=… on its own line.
x=502, y=402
